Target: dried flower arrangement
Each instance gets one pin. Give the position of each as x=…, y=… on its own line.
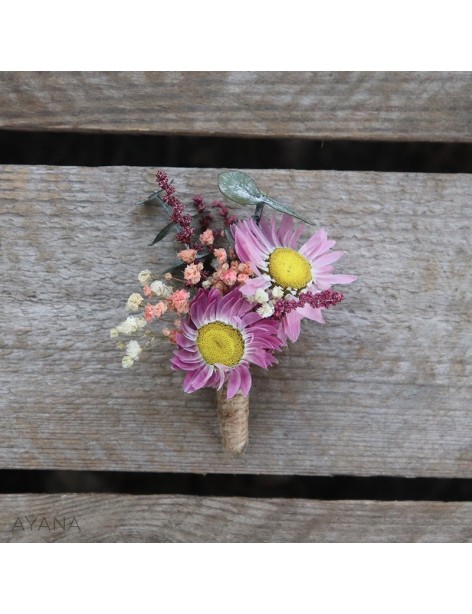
x=236, y=297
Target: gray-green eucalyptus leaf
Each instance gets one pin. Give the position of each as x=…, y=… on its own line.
x=284, y=209
x=229, y=237
x=163, y=233
x=239, y=187
x=155, y=199
x=179, y=266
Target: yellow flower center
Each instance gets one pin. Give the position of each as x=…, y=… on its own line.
x=289, y=269
x=220, y=343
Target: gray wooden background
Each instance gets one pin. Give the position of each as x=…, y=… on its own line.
x=382, y=389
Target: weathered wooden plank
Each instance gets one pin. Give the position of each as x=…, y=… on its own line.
x=383, y=389
x=431, y=106
x=164, y=518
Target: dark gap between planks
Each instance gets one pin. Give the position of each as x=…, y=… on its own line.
x=213, y=485
x=82, y=149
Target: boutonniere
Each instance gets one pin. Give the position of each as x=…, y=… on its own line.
x=236, y=296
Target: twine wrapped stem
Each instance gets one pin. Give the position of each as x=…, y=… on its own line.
x=233, y=415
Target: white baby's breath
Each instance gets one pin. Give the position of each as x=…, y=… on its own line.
x=277, y=292
x=134, y=302
x=129, y=326
x=161, y=289
x=145, y=277
x=127, y=362
x=265, y=310
x=261, y=296
x=133, y=350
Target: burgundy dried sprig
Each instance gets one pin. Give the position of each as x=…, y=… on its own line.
x=206, y=219
x=178, y=215
x=224, y=212
x=199, y=203
x=326, y=299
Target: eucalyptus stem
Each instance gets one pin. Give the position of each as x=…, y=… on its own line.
x=258, y=213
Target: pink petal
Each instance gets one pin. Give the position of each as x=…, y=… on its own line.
x=183, y=366
x=293, y=240
x=217, y=379
x=282, y=334
x=201, y=377
x=263, y=234
x=286, y=229
x=184, y=342
x=328, y=258
x=259, y=358
x=188, y=357
x=250, y=318
x=316, y=245
x=234, y=382
x=188, y=382
x=314, y=242
x=250, y=244
x=246, y=380
x=311, y=313
x=292, y=325
x=254, y=284
x=324, y=282
x=188, y=331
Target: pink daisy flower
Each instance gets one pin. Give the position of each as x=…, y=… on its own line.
x=283, y=270
x=220, y=339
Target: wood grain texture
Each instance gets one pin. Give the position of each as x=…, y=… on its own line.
x=383, y=388
x=423, y=106
x=164, y=518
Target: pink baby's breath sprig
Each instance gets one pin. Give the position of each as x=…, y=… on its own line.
x=187, y=255
x=193, y=274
